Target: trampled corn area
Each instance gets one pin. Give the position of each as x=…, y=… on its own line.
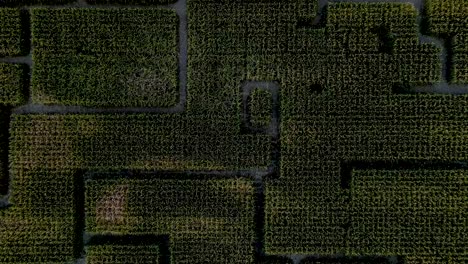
x=234, y=131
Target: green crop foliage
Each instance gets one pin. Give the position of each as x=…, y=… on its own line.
x=422, y=211
x=261, y=107
x=356, y=116
x=100, y=142
x=40, y=225
x=208, y=221
x=120, y=254
x=449, y=19
x=99, y=57
x=362, y=26
x=348, y=260
x=4, y=176
x=340, y=101
x=48, y=154
x=446, y=17
x=205, y=137
x=18, y=3
x=11, y=33
x=436, y=259
x=460, y=70
x=11, y=84
x=132, y=2
x=234, y=41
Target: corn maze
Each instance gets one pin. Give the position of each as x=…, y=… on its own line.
x=234, y=131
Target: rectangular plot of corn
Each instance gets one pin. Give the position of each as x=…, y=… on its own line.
x=99, y=57
x=460, y=58
x=11, y=84
x=116, y=254
x=261, y=108
x=207, y=221
x=417, y=212
x=12, y=42
x=40, y=226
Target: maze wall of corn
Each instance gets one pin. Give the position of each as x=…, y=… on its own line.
x=234, y=131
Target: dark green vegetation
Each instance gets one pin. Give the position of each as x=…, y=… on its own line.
x=261, y=107
x=460, y=58
x=18, y=3
x=422, y=209
x=365, y=173
x=50, y=153
x=99, y=57
x=449, y=20
x=138, y=142
x=12, y=40
x=121, y=254
x=347, y=260
x=12, y=43
x=39, y=227
x=358, y=116
x=203, y=217
x=4, y=123
x=12, y=84
x=131, y=2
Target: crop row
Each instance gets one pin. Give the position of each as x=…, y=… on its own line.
x=151, y=142
x=120, y=254
x=95, y=57
x=4, y=175
x=11, y=83
x=49, y=153
x=206, y=220
x=40, y=226
x=347, y=104
x=12, y=43
x=446, y=17
x=398, y=19
x=335, y=106
x=261, y=107
x=133, y=80
x=231, y=43
x=17, y=3
x=379, y=215
x=131, y=2
x=246, y=28
x=99, y=57
x=360, y=77
x=307, y=205
x=12, y=40
x=276, y=29
x=422, y=211
x=449, y=19
x=460, y=58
